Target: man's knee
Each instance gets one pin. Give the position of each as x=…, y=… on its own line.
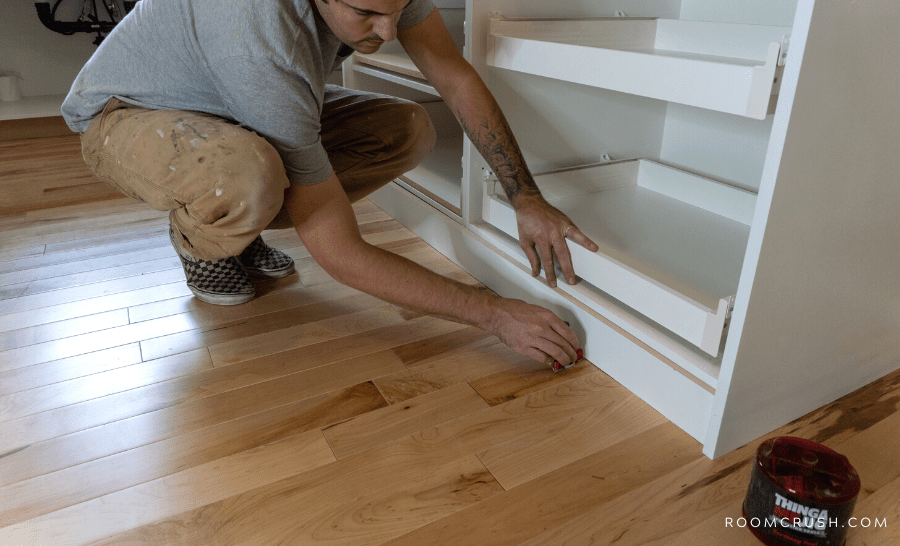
x=417, y=132
x=250, y=185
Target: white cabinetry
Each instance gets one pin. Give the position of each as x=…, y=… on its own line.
x=747, y=224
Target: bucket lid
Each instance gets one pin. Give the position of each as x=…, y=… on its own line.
x=808, y=470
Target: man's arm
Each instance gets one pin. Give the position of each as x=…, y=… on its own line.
x=325, y=222
x=542, y=228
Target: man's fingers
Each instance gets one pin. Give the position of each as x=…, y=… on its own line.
x=576, y=235
x=554, y=351
x=533, y=258
x=565, y=260
x=547, y=259
x=566, y=333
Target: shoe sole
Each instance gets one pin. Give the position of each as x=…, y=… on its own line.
x=222, y=299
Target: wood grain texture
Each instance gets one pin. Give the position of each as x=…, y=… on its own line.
x=317, y=415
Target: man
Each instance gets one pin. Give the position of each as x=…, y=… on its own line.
x=218, y=111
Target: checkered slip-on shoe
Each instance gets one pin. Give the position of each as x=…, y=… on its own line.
x=261, y=260
x=220, y=282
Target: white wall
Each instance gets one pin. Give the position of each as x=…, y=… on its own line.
x=46, y=62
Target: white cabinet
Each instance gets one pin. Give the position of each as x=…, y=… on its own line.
x=748, y=262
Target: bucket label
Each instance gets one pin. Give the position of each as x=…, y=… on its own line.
x=784, y=519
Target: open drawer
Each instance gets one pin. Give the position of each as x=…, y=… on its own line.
x=732, y=68
x=671, y=243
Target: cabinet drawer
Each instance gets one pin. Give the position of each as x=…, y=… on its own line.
x=671, y=243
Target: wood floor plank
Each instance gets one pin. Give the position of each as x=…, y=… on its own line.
x=144, y=226
x=113, y=250
x=355, y=508
x=69, y=311
x=99, y=411
x=76, y=280
x=121, y=233
x=883, y=510
x=89, y=266
x=528, y=376
x=74, y=218
x=480, y=358
x=393, y=422
x=271, y=295
x=234, y=350
x=512, y=516
x=57, y=490
x=48, y=373
x=215, y=324
x=63, y=329
x=413, y=354
x=21, y=252
x=54, y=450
x=98, y=385
x=95, y=341
x=534, y=454
x=87, y=292
x=698, y=492
x=197, y=486
x=67, y=227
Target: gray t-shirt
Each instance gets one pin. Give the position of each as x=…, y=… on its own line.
x=260, y=63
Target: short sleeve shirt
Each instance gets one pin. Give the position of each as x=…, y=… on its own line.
x=260, y=63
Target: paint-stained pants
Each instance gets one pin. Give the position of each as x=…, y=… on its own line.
x=224, y=184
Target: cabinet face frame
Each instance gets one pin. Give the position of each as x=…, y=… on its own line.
x=772, y=348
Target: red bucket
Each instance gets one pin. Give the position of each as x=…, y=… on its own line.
x=801, y=494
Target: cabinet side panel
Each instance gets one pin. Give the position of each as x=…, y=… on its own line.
x=757, y=12
x=823, y=315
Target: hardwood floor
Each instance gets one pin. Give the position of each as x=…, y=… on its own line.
x=131, y=413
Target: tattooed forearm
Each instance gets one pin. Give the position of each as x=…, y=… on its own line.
x=494, y=140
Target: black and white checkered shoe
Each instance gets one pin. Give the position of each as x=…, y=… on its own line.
x=220, y=282
x=261, y=260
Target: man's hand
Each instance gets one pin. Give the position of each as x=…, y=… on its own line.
x=533, y=331
x=543, y=231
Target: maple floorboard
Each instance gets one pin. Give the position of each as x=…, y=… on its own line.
x=131, y=413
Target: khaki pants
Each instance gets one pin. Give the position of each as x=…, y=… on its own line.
x=223, y=184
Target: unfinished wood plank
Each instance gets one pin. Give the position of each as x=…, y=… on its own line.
x=93, y=265
x=95, y=341
x=29, y=288
x=100, y=304
x=117, y=286
x=512, y=516
x=98, y=385
x=21, y=252
x=414, y=353
x=539, y=452
x=39, y=375
x=99, y=232
x=417, y=454
x=153, y=421
x=99, y=411
x=97, y=252
x=63, y=329
x=698, y=492
x=528, y=376
x=176, y=493
x=478, y=359
x=238, y=350
x=50, y=492
x=354, y=508
x=69, y=224
x=271, y=295
x=390, y=423
x=275, y=332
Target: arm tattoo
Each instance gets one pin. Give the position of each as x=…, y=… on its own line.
x=499, y=148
